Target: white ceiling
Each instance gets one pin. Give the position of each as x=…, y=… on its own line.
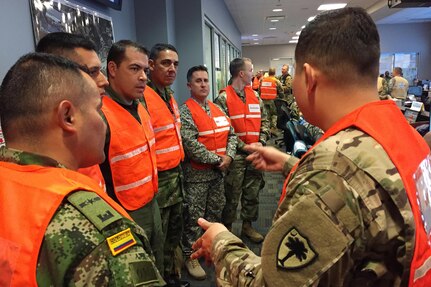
x=251, y=17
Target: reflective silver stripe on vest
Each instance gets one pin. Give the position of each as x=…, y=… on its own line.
x=237, y=117
x=421, y=271
x=152, y=142
x=218, y=150
x=253, y=133
x=130, y=154
x=219, y=130
x=134, y=184
x=253, y=116
x=241, y=134
x=166, y=150
x=163, y=128
x=210, y=132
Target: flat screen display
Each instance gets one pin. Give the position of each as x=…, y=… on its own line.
x=114, y=4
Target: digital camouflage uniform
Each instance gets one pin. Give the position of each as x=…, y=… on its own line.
x=384, y=89
x=295, y=113
x=204, y=194
x=286, y=82
x=242, y=179
x=358, y=223
x=170, y=200
x=269, y=105
x=74, y=251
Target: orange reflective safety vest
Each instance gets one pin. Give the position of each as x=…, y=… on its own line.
x=213, y=130
x=166, y=123
x=255, y=84
x=132, y=155
x=246, y=116
x=95, y=173
x=409, y=153
x=27, y=207
x=268, y=88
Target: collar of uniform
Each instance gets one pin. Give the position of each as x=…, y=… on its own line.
x=114, y=95
x=240, y=93
x=26, y=158
x=165, y=94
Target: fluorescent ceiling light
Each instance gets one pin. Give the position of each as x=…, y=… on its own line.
x=295, y=37
x=254, y=35
x=297, y=33
x=274, y=20
x=272, y=28
x=255, y=39
x=256, y=43
x=311, y=18
x=276, y=59
x=277, y=10
x=325, y=7
x=303, y=27
x=293, y=41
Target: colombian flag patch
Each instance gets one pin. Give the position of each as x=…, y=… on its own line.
x=121, y=241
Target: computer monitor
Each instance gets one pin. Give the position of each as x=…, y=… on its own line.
x=415, y=90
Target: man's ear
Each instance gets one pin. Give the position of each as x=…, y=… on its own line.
x=189, y=86
x=151, y=64
x=310, y=74
x=66, y=116
x=112, y=69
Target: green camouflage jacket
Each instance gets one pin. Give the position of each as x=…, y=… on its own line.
x=197, y=151
x=345, y=221
x=75, y=251
x=264, y=124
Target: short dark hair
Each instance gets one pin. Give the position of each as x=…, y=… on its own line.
x=338, y=41
x=237, y=65
x=157, y=48
x=195, y=69
x=34, y=84
x=117, y=52
x=62, y=43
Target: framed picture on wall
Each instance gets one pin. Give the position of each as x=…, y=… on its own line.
x=61, y=15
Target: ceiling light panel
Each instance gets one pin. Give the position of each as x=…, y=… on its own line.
x=325, y=7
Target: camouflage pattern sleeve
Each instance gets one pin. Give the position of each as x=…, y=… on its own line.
x=76, y=252
x=189, y=133
x=232, y=142
x=384, y=93
x=235, y=264
x=391, y=85
x=280, y=91
x=265, y=131
x=289, y=164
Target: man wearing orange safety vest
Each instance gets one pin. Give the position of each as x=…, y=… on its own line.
x=355, y=210
x=255, y=82
x=210, y=146
x=269, y=90
x=248, y=116
x=58, y=228
x=165, y=118
x=130, y=168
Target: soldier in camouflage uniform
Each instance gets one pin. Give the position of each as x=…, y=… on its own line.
x=345, y=217
x=163, y=70
x=203, y=187
x=269, y=103
x=286, y=82
x=242, y=180
x=50, y=109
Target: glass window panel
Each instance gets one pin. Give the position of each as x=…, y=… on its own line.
x=208, y=58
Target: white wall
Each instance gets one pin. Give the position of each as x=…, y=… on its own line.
x=393, y=39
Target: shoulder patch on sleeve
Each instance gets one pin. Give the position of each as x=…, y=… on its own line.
x=94, y=208
x=302, y=244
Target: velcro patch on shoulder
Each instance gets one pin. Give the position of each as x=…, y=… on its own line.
x=94, y=208
x=143, y=273
x=302, y=244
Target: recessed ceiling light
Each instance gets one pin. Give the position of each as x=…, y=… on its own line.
x=272, y=28
x=277, y=10
x=274, y=20
x=276, y=59
x=303, y=27
x=256, y=43
x=293, y=41
x=325, y=7
x=297, y=33
x=295, y=37
x=254, y=35
x=311, y=18
x=255, y=39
